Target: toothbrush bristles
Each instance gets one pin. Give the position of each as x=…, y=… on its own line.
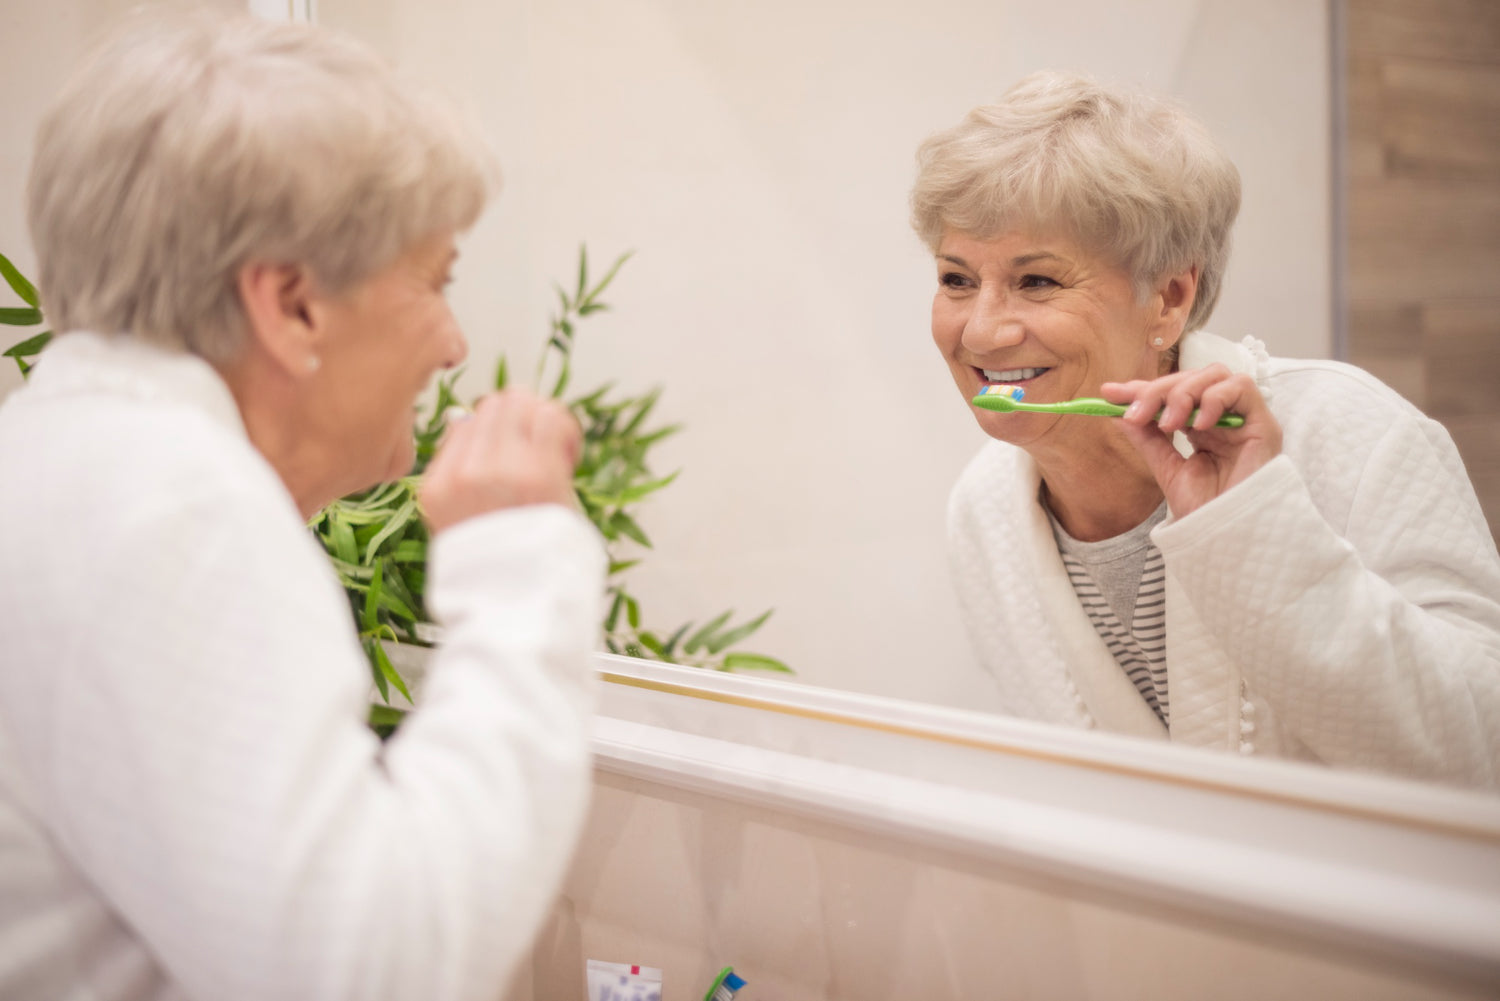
x=995, y=389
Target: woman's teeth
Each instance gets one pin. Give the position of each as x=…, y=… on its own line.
x=1012, y=374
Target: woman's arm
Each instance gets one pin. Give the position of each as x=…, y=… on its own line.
x=1378, y=648
x=185, y=698
x=1376, y=639
x=213, y=777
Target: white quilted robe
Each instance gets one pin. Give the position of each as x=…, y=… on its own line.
x=1342, y=605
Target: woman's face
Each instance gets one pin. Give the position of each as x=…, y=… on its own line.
x=384, y=340
x=1041, y=313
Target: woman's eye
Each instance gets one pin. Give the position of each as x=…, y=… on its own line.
x=952, y=279
x=1037, y=281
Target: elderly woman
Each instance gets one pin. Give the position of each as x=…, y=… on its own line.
x=1318, y=584
x=245, y=230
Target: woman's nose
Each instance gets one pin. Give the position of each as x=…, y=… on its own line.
x=992, y=324
x=460, y=348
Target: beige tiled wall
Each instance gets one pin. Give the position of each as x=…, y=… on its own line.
x=813, y=911
x=1423, y=170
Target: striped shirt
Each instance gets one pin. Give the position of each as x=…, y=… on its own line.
x=1123, y=580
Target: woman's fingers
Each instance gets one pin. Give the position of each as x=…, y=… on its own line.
x=517, y=449
x=1170, y=401
x=1234, y=394
x=556, y=428
x=1222, y=457
x=1155, y=446
x=1184, y=394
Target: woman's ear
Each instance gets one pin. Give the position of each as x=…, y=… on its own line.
x=1174, y=300
x=277, y=300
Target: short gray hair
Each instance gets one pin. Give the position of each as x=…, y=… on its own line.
x=183, y=150
x=1122, y=172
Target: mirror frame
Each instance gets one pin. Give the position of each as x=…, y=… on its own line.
x=1405, y=872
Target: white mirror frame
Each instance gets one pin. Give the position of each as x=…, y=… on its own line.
x=1371, y=869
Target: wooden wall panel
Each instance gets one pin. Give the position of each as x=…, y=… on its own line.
x=1422, y=165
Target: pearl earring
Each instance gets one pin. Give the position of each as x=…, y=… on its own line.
x=313, y=364
x=1158, y=342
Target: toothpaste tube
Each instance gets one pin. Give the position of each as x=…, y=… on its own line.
x=623, y=982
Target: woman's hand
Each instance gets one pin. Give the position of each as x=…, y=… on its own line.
x=516, y=449
x=1222, y=457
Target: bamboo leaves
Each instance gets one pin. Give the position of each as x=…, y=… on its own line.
x=378, y=545
x=28, y=316
x=18, y=283
x=614, y=475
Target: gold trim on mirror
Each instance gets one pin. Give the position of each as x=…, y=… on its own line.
x=1476, y=831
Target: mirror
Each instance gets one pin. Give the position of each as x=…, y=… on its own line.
x=757, y=159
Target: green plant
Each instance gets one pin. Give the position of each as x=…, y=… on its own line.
x=377, y=539
x=29, y=315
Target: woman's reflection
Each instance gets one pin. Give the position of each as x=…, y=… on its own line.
x=1317, y=584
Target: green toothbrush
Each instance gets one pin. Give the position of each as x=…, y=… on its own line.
x=1007, y=399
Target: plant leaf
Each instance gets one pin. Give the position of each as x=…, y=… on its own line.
x=674, y=639
x=753, y=662
x=609, y=276
x=389, y=672
x=594, y=397
x=409, y=551
x=20, y=316
x=371, y=645
x=644, y=407
x=733, y=636
x=614, y=612
x=702, y=635
x=620, y=566
x=501, y=375
x=562, y=377
x=18, y=282
x=632, y=612
x=348, y=571
x=625, y=525
x=384, y=720
x=657, y=435
x=398, y=521
x=634, y=494
x=371, y=618
x=399, y=599
x=28, y=347
x=583, y=271
x=342, y=537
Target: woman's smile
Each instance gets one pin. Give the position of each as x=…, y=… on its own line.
x=1009, y=376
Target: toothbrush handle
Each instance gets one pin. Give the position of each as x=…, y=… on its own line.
x=1088, y=406
x=1095, y=407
